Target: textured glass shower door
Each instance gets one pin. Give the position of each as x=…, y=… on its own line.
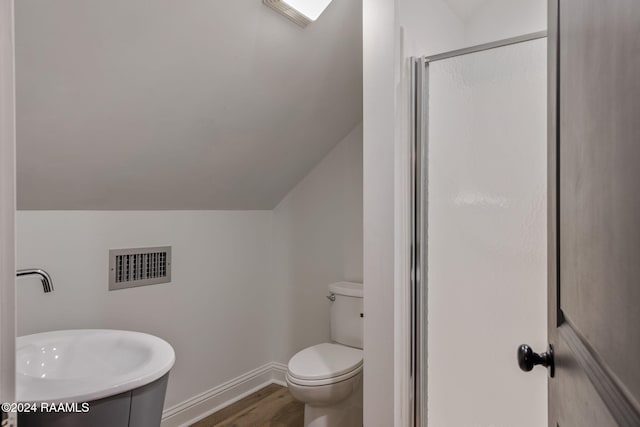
x=484, y=221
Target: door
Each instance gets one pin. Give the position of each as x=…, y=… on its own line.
x=481, y=234
x=594, y=212
x=7, y=210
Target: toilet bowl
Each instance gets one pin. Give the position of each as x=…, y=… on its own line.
x=327, y=377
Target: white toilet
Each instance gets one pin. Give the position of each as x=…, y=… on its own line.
x=327, y=377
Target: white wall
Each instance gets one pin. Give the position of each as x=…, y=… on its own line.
x=7, y=203
x=248, y=286
x=501, y=19
x=215, y=312
x=431, y=27
x=317, y=238
x=381, y=39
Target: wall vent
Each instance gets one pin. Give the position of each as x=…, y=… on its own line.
x=129, y=268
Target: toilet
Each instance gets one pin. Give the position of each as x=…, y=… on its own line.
x=327, y=377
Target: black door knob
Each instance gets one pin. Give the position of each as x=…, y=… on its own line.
x=527, y=359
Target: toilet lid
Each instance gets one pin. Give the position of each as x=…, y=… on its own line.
x=324, y=361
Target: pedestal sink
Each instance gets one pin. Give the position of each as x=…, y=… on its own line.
x=122, y=374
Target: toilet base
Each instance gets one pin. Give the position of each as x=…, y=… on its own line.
x=347, y=413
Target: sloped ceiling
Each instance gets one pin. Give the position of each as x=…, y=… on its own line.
x=165, y=104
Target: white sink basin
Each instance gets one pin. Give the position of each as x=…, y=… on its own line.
x=87, y=364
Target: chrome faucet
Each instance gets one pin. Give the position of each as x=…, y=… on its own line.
x=47, y=283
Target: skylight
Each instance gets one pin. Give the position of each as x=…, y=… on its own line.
x=302, y=12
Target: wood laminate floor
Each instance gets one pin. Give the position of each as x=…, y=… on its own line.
x=272, y=406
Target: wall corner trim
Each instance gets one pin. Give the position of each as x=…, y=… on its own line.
x=210, y=401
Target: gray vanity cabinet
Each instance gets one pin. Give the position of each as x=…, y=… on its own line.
x=141, y=407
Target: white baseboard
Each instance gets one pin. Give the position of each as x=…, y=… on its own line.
x=279, y=371
x=217, y=398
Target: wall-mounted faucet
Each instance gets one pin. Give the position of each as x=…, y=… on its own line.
x=47, y=283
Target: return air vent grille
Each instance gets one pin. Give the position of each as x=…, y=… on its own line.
x=129, y=268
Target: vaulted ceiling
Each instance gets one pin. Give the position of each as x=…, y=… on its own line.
x=165, y=104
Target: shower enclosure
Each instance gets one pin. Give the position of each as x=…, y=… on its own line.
x=479, y=233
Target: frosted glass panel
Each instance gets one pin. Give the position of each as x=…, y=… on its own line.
x=487, y=237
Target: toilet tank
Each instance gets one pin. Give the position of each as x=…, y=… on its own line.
x=346, y=313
